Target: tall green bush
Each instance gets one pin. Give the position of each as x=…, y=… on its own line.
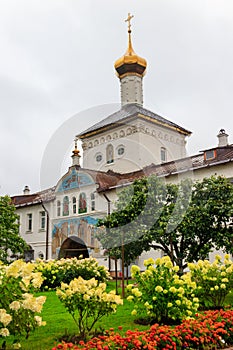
x=161, y=293
x=214, y=281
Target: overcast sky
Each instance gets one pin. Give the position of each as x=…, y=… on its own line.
x=57, y=60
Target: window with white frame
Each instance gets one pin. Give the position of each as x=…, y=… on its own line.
x=120, y=150
x=92, y=201
x=163, y=154
x=74, y=203
x=98, y=157
x=66, y=206
x=58, y=208
x=29, y=222
x=82, y=205
x=109, y=154
x=42, y=220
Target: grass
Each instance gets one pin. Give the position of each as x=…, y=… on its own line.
x=59, y=322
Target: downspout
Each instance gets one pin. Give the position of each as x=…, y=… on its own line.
x=109, y=259
x=47, y=233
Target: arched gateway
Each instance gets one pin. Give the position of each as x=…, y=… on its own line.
x=73, y=247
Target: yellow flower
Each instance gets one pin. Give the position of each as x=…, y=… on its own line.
x=5, y=318
x=134, y=312
x=134, y=270
x=169, y=304
x=176, y=268
x=223, y=286
x=216, y=287
x=158, y=289
x=149, y=261
x=4, y=332
x=225, y=280
x=15, y=305
x=130, y=298
x=178, y=302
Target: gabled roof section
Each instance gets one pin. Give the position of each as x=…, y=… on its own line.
x=126, y=113
x=34, y=198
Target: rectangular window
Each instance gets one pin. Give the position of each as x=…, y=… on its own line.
x=211, y=154
x=29, y=222
x=163, y=154
x=92, y=201
x=42, y=220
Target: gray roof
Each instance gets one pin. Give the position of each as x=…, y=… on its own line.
x=130, y=111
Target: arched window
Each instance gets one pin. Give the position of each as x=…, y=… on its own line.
x=82, y=205
x=66, y=206
x=74, y=205
x=92, y=201
x=58, y=208
x=109, y=154
x=163, y=154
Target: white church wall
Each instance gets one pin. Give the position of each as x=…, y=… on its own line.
x=33, y=221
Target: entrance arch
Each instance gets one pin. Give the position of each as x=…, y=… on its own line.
x=73, y=247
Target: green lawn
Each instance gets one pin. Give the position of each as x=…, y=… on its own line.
x=60, y=322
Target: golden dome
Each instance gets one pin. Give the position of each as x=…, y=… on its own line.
x=130, y=62
x=75, y=151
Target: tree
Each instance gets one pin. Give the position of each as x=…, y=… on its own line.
x=10, y=241
x=186, y=221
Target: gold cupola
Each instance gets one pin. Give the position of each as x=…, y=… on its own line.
x=130, y=63
x=75, y=156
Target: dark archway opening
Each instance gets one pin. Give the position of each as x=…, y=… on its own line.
x=73, y=247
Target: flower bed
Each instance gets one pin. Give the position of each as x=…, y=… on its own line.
x=210, y=330
x=65, y=270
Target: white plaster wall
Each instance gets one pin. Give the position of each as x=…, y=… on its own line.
x=142, y=141
x=131, y=90
x=36, y=238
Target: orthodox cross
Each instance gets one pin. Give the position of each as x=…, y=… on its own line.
x=128, y=19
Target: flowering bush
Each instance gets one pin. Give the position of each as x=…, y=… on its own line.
x=214, y=281
x=18, y=307
x=162, y=292
x=211, y=330
x=87, y=301
x=65, y=270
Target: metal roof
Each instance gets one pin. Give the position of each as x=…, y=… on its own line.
x=127, y=112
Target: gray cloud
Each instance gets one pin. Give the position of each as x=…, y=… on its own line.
x=57, y=59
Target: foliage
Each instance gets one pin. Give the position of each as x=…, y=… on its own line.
x=87, y=302
x=184, y=220
x=161, y=292
x=65, y=270
x=214, y=281
x=211, y=330
x=123, y=226
x=18, y=307
x=10, y=241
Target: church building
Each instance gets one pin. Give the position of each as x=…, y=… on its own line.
x=126, y=145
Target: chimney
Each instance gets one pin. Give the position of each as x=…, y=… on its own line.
x=26, y=190
x=222, y=138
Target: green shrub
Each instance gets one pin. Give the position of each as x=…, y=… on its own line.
x=65, y=270
x=87, y=302
x=214, y=281
x=161, y=292
x=19, y=309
